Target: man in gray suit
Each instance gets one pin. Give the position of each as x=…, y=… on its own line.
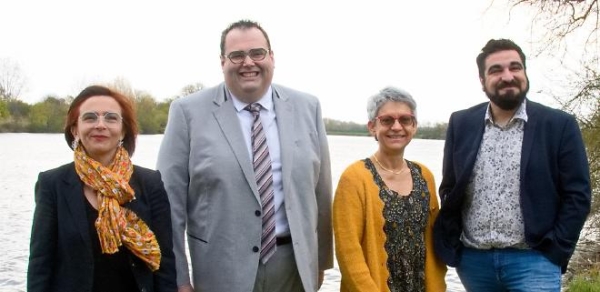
x=216, y=181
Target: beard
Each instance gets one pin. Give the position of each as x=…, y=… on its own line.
x=509, y=100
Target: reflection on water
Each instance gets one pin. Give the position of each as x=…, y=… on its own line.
x=24, y=155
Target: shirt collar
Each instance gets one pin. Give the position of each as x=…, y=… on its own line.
x=520, y=114
x=266, y=101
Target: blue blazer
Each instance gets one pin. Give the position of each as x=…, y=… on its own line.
x=554, y=181
x=61, y=256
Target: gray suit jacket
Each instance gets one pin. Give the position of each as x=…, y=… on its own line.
x=209, y=178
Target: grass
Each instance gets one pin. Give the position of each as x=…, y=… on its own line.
x=586, y=281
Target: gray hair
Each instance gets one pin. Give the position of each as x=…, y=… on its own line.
x=386, y=95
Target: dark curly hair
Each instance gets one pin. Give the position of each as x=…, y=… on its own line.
x=494, y=46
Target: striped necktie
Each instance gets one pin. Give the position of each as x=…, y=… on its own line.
x=264, y=182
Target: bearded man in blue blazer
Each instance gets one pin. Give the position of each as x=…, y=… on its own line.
x=215, y=176
x=516, y=187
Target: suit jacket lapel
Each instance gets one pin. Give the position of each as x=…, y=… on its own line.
x=287, y=140
x=474, y=136
x=73, y=195
x=528, y=134
x=228, y=121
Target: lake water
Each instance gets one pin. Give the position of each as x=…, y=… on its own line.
x=23, y=156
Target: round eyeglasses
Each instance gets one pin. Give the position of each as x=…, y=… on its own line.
x=238, y=57
x=109, y=118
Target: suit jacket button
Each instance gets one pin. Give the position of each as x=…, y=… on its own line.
x=257, y=213
x=255, y=249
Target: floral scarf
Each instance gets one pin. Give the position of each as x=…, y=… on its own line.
x=117, y=225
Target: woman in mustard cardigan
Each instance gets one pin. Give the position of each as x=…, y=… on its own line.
x=385, y=206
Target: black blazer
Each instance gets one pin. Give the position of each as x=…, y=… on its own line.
x=554, y=182
x=61, y=250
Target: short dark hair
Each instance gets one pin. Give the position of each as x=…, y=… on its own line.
x=242, y=24
x=494, y=46
x=130, y=125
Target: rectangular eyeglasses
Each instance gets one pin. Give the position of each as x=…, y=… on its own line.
x=389, y=120
x=238, y=57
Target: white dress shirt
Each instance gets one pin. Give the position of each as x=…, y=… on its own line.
x=268, y=119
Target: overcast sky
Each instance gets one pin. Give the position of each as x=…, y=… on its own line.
x=338, y=51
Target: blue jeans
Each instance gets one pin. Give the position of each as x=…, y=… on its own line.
x=502, y=270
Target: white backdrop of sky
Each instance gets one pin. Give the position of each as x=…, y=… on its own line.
x=341, y=51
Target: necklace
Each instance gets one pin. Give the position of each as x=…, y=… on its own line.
x=395, y=172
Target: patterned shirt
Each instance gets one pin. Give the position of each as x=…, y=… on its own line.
x=492, y=216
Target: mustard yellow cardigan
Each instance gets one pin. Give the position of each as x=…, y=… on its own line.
x=359, y=237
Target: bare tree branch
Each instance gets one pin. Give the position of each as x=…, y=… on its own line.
x=12, y=81
x=557, y=24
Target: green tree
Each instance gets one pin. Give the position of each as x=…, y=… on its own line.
x=18, y=109
x=4, y=116
x=162, y=114
x=4, y=113
x=48, y=116
x=146, y=113
x=58, y=108
x=38, y=118
x=335, y=127
x=17, y=119
x=436, y=131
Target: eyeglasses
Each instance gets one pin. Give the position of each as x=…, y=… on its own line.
x=109, y=118
x=404, y=120
x=238, y=57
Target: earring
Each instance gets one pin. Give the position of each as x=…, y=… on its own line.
x=121, y=143
x=74, y=143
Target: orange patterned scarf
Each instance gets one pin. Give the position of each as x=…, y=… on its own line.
x=117, y=225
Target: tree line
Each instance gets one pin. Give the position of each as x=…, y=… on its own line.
x=435, y=131
x=48, y=116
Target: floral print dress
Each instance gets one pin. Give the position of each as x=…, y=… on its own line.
x=405, y=222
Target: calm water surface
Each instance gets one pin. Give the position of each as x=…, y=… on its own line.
x=23, y=156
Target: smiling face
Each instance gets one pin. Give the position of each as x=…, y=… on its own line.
x=250, y=79
x=394, y=138
x=505, y=82
x=100, y=138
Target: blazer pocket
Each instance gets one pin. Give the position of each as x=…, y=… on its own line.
x=196, y=238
